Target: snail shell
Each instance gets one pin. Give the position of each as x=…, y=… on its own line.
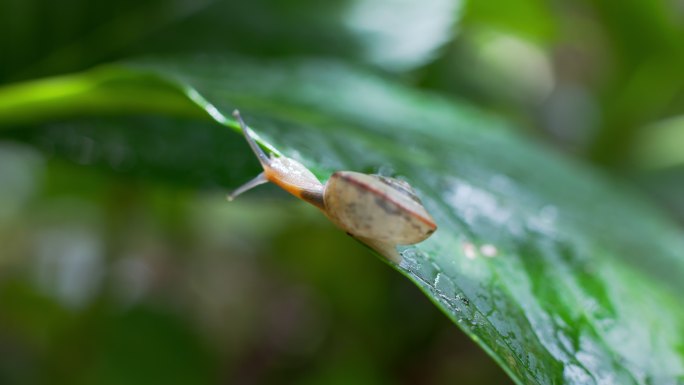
x=376, y=207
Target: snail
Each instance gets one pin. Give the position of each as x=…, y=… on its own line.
x=381, y=212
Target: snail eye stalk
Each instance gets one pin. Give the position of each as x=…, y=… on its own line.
x=257, y=181
x=261, y=155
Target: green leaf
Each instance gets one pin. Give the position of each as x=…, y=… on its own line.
x=561, y=274
x=532, y=19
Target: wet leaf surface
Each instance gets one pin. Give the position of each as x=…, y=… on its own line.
x=561, y=274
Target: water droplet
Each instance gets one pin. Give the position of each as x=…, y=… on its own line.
x=444, y=285
x=489, y=250
x=476, y=204
x=469, y=250
x=385, y=170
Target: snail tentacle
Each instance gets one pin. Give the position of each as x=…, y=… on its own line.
x=261, y=155
x=258, y=180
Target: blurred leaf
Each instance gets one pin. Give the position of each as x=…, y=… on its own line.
x=39, y=38
x=148, y=149
x=643, y=80
x=660, y=144
x=560, y=274
x=532, y=19
x=406, y=37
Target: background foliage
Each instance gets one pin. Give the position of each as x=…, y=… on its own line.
x=107, y=243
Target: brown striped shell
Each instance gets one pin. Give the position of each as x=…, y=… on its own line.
x=377, y=207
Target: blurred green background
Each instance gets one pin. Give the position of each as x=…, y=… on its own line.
x=111, y=273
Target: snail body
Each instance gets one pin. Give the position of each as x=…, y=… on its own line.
x=380, y=211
